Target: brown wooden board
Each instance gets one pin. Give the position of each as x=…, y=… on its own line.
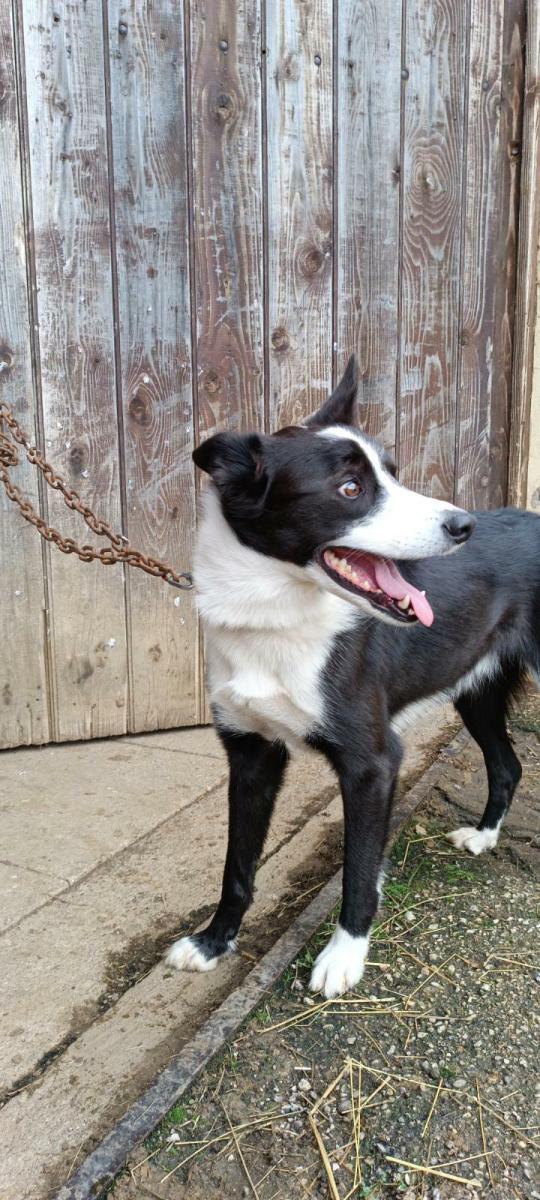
x=70, y=202
x=148, y=125
x=226, y=146
x=23, y=676
x=519, y=307
x=367, y=196
x=478, y=478
x=300, y=171
x=433, y=118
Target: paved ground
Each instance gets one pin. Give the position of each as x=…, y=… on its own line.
x=422, y=1085
x=109, y=851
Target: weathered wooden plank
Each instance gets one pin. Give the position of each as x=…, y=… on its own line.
x=226, y=143
x=150, y=191
x=526, y=294
x=68, y=161
x=432, y=165
x=300, y=171
x=24, y=714
x=368, y=185
x=478, y=477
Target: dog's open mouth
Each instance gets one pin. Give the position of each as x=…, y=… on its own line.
x=379, y=582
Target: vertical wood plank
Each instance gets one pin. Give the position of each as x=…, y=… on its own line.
x=435, y=40
x=518, y=318
x=489, y=251
x=368, y=185
x=227, y=212
x=481, y=270
x=24, y=714
x=299, y=66
x=151, y=220
x=68, y=160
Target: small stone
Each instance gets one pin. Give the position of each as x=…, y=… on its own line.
x=304, y=1085
x=460, y=1083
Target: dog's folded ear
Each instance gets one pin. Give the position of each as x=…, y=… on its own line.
x=339, y=408
x=232, y=458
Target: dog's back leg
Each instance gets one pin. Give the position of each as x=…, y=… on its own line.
x=484, y=713
x=257, y=769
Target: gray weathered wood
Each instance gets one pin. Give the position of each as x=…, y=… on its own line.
x=526, y=269
x=368, y=195
x=68, y=162
x=227, y=212
x=486, y=160
x=300, y=168
x=23, y=678
x=432, y=164
x=151, y=218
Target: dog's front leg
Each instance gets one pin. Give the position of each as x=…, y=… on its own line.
x=257, y=769
x=367, y=788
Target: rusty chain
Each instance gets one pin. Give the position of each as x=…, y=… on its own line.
x=120, y=549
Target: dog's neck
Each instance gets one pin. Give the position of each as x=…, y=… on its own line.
x=238, y=588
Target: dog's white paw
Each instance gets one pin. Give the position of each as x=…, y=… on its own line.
x=474, y=840
x=340, y=965
x=185, y=955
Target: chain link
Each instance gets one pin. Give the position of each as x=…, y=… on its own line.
x=120, y=549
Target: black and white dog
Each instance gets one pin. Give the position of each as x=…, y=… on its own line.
x=330, y=603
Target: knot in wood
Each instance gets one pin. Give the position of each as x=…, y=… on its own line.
x=122, y=28
x=6, y=358
x=212, y=381
x=280, y=339
x=311, y=259
x=139, y=409
x=76, y=460
x=224, y=107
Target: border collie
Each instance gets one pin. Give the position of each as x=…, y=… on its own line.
x=331, y=601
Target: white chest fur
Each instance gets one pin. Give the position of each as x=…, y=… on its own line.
x=269, y=633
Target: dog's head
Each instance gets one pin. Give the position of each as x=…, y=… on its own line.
x=324, y=496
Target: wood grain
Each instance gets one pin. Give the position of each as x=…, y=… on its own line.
x=368, y=178
x=146, y=47
x=432, y=186
x=480, y=475
x=526, y=270
x=299, y=71
x=227, y=212
x=24, y=716
x=68, y=158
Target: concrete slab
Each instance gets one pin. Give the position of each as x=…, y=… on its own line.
x=22, y=890
x=88, y=1014
x=64, y=809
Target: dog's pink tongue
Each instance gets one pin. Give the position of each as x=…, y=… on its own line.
x=391, y=582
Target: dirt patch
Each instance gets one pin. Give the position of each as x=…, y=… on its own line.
x=424, y=1083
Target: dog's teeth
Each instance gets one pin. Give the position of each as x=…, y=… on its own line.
x=404, y=604
x=366, y=587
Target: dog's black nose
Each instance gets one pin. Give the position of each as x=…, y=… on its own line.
x=459, y=526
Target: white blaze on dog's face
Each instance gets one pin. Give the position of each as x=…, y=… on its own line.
x=321, y=503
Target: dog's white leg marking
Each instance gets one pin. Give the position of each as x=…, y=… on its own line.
x=474, y=840
x=186, y=956
x=340, y=965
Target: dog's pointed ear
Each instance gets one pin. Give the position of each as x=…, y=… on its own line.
x=339, y=408
x=231, y=458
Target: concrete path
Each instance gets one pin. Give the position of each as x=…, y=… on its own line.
x=109, y=850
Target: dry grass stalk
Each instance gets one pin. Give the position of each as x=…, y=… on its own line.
x=402, y=1162
x=239, y=1152
x=432, y=1109
x=325, y=1159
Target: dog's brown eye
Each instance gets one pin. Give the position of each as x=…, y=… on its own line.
x=351, y=489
